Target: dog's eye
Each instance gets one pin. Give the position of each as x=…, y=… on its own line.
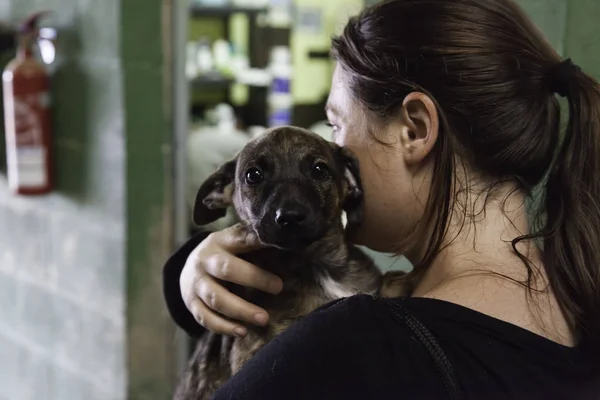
x=254, y=176
x=319, y=171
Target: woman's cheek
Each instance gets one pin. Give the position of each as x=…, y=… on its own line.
x=339, y=139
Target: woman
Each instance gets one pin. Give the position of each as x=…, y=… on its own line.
x=450, y=107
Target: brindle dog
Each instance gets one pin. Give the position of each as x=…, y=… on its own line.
x=289, y=187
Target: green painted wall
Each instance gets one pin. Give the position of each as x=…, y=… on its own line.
x=145, y=44
x=582, y=41
x=551, y=17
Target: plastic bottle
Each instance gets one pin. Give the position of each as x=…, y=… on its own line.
x=204, y=57
x=280, y=99
x=226, y=119
x=222, y=57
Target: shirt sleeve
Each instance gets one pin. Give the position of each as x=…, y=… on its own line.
x=351, y=349
x=171, y=291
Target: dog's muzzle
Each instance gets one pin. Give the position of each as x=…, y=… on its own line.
x=290, y=226
x=292, y=218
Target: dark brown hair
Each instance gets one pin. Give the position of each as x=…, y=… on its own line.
x=492, y=76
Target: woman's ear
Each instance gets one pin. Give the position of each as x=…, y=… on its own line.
x=215, y=194
x=420, y=120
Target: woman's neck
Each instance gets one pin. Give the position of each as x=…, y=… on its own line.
x=479, y=268
x=479, y=240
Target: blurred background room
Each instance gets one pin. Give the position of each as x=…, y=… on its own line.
x=146, y=99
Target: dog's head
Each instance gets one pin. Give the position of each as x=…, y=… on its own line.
x=289, y=185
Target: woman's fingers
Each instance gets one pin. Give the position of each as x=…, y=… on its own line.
x=229, y=268
x=219, y=299
x=213, y=322
x=214, y=260
x=236, y=239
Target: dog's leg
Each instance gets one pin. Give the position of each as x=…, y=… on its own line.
x=396, y=284
x=244, y=348
x=207, y=370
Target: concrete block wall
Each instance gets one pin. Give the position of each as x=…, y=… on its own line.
x=63, y=256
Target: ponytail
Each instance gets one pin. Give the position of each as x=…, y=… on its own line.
x=572, y=206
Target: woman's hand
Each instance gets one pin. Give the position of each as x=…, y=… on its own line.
x=213, y=306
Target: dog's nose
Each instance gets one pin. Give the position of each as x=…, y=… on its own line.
x=290, y=217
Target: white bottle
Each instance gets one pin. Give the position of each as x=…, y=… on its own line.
x=226, y=120
x=222, y=57
x=204, y=57
x=280, y=99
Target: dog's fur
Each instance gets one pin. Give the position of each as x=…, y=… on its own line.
x=301, y=173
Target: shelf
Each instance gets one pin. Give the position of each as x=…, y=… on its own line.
x=211, y=82
x=257, y=78
x=198, y=10
x=319, y=55
x=221, y=83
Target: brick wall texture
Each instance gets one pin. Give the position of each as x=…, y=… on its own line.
x=62, y=257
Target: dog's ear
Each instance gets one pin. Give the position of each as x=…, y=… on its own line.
x=215, y=194
x=353, y=200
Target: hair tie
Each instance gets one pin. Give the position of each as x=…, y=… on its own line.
x=561, y=76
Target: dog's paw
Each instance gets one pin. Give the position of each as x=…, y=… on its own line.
x=396, y=284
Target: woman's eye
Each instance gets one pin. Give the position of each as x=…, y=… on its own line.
x=254, y=176
x=334, y=130
x=319, y=171
x=332, y=126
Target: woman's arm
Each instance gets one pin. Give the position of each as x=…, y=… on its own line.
x=172, y=291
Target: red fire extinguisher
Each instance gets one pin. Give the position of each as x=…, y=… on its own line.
x=26, y=98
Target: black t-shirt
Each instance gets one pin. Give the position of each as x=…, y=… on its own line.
x=357, y=348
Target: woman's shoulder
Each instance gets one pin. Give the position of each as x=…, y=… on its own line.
x=352, y=348
x=367, y=347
